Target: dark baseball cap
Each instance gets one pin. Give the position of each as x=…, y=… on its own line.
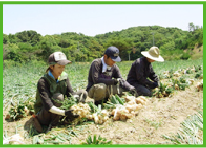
x=58, y=58
x=113, y=52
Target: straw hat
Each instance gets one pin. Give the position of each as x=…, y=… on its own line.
x=153, y=54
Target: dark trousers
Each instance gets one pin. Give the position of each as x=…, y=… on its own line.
x=46, y=117
x=143, y=90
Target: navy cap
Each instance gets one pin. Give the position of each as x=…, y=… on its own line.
x=113, y=52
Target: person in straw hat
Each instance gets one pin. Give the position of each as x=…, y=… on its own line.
x=141, y=69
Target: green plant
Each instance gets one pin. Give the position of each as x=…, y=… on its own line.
x=182, y=79
x=168, y=91
x=93, y=107
x=171, y=72
x=115, y=99
x=197, y=68
x=97, y=141
x=182, y=86
x=109, y=105
x=181, y=83
x=185, y=56
x=189, y=71
x=198, y=75
x=162, y=87
x=17, y=112
x=67, y=103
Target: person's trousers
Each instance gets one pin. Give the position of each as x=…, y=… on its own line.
x=45, y=117
x=102, y=91
x=143, y=90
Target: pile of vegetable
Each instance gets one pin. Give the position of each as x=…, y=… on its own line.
x=164, y=90
x=20, y=110
x=120, y=108
x=99, y=117
x=129, y=109
x=83, y=110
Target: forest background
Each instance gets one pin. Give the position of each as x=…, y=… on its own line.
x=173, y=43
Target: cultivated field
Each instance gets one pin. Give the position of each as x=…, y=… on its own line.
x=159, y=119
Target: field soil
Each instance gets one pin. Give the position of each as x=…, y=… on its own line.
x=160, y=116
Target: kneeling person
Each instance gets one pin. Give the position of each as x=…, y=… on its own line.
x=104, y=76
x=142, y=69
x=54, y=86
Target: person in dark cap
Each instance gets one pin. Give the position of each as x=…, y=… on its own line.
x=53, y=86
x=142, y=69
x=105, y=79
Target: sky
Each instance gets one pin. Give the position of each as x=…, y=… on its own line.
x=97, y=19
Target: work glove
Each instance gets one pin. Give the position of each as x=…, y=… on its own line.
x=70, y=115
x=80, y=98
x=133, y=92
x=115, y=81
x=76, y=97
x=125, y=85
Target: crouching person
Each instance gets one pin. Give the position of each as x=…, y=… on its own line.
x=142, y=69
x=105, y=79
x=54, y=86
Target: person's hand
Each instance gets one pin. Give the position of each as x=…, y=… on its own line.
x=155, y=84
x=76, y=97
x=70, y=115
x=115, y=81
x=133, y=92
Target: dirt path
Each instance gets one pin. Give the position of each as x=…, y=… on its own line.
x=159, y=117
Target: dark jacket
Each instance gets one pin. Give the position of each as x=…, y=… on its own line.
x=46, y=88
x=141, y=70
x=96, y=75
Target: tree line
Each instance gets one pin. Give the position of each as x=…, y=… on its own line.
x=30, y=45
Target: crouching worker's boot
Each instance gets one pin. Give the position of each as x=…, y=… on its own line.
x=37, y=125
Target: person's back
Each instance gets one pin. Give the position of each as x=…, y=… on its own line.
x=132, y=76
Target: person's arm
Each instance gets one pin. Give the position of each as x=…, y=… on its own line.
x=116, y=72
x=139, y=71
x=43, y=88
x=153, y=76
x=57, y=111
x=95, y=67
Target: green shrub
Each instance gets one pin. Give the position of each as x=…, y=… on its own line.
x=185, y=56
